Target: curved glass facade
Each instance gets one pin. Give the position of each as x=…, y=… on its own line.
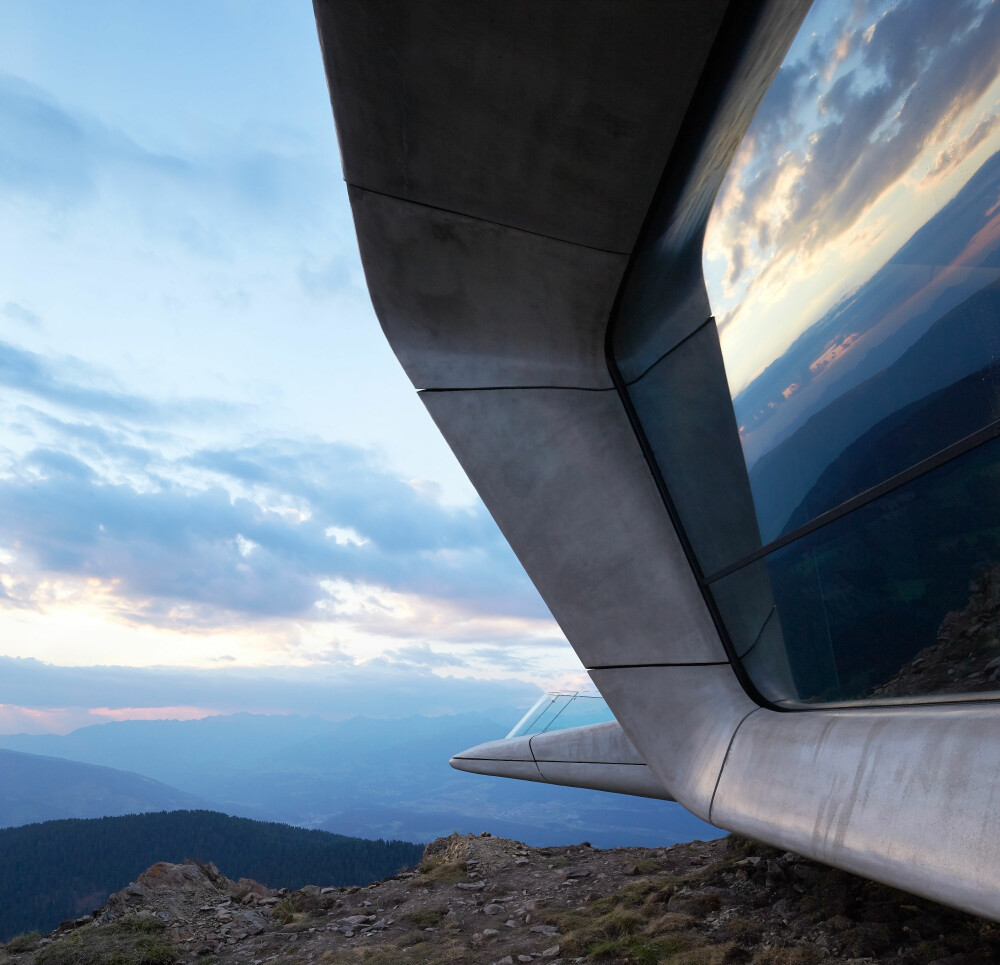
x=560, y=711
x=852, y=263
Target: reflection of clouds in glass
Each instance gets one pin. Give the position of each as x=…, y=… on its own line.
x=869, y=110
x=957, y=151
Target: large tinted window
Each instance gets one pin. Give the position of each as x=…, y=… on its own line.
x=853, y=267
x=829, y=440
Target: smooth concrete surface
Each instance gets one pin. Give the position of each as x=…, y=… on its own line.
x=460, y=299
x=907, y=796
x=597, y=756
x=514, y=112
x=564, y=478
x=550, y=117
x=593, y=742
x=681, y=720
x=635, y=779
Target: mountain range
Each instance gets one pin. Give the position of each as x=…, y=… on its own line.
x=36, y=788
x=362, y=776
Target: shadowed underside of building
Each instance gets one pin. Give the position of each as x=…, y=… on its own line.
x=531, y=184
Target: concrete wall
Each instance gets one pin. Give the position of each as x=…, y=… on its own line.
x=503, y=158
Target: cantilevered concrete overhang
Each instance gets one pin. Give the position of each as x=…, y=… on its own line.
x=597, y=756
x=503, y=158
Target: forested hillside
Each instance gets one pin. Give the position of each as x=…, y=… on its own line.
x=62, y=869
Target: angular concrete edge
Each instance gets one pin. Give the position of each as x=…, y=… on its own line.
x=598, y=756
x=681, y=720
x=566, y=481
x=463, y=312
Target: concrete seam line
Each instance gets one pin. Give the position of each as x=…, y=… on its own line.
x=673, y=348
x=475, y=217
x=646, y=666
x=531, y=750
x=725, y=760
x=517, y=388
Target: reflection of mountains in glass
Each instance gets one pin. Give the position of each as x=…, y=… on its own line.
x=965, y=657
x=859, y=598
x=830, y=442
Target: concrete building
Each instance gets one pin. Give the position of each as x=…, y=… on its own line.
x=791, y=614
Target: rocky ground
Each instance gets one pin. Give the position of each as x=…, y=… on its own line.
x=488, y=900
x=965, y=657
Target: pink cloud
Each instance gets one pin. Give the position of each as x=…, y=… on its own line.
x=152, y=713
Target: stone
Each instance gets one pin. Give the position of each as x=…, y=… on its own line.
x=493, y=909
x=490, y=933
x=785, y=907
x=353, y=921
x=551, y=952
x=545, y=929
x=471, y=885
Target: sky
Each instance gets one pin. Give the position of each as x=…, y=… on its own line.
x=879, y=115
x=214, y=476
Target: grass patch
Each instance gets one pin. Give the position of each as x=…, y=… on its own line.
x=639, y=949
x=787, y=956
x=429, y=917
x=284, y=912
x=633, y=925
x=133, y=940
x=443, y=872
x=22, y=942
x=705, y=955
x=393, y=954
x=621, y=933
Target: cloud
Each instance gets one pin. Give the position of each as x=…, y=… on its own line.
x=922, y=64
x=46, y=153
x=61, y=382
x=424, y=656
x=21, y=314
x=380, y=688
x=337, y=274
x=207, y=201
x=215, y=537
x=847, y=118
x=956, y=153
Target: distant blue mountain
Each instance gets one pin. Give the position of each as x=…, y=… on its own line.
x=36, y=788
x=830, y=459
x=316, y=773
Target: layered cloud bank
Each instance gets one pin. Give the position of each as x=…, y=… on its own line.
x=210, y=457
x=300, y=549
